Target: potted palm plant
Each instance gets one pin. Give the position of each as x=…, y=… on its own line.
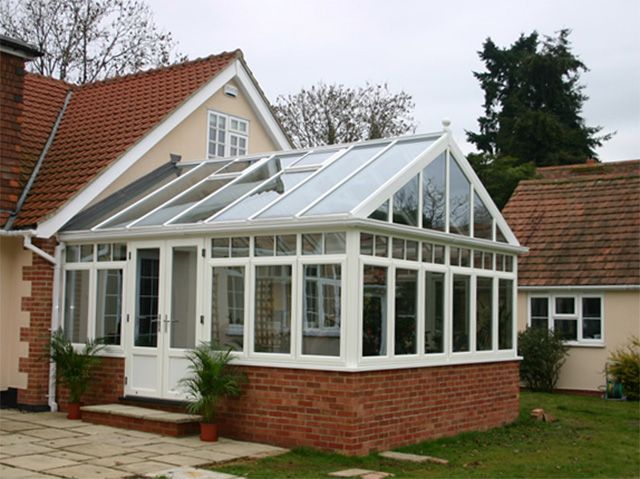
x=74, y=368
x=211, y=379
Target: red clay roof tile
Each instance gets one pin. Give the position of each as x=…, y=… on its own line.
x=581, y=224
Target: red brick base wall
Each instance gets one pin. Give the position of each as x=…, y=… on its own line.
x=106, y=387
x=145, y=425
x=356, y=413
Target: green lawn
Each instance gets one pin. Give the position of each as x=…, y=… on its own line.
x=591, y=438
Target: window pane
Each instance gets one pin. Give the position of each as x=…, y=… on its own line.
x=366, y=244
x=374, y=311
x=220, y=248
x=499, y=262
x=72, y=254
x=321, y=310
x=566, y=328
x=398, y=248
x=312, y=243
x=104, y=252
x=591, y=329
x=405, y=204
x=565, y=305
x=227, y=307
x=465, y=257
x=438, y=254
x=540, y=307
x=412, y=250
x=540, y=323
x=477, y=259
x=461, y=313
x=86, y=253
x=273, y=309
x=484, y=314
x=482, y=220
x=487, y=260
x=427, y=252
x=406, y=311
x=382, y=246
x=433, y=191
x=76, y=305
x=184, y=279
x=454, y=256
x=147, y=282
x=382, y=213
x=505, y=314
x=285, y=245
x=240, y=247
x=334, y=243
x=263, y=246
x=119, y=251
x=434, y=313
x=459, y=200
x=316, y=158
x=109, y=305
x=591, y=308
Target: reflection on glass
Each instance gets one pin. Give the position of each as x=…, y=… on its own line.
x=459, y=200
x=109, y=305
x=321, y=309
x=461, y=313
x=312, y=243
x=484, y=313
x=76, y=305
x=316, y=158
x=264, y=246
x=147, y=281
x=406, y=311
x=539, y=312
x=382, y=213
x=591, y=318
x=272, y=309
x=482, y=220
x=227, y=306
x=285, y=245
x=374, y=311
x=434, y=313
x=405, y=204
x=434, y=194
x=335, y=243
x=240, y=247
x=567, y=329
x=184, y=278
x=366, y=244
x=505, y=314
x=220, y=248
x=398, y=248
x=382, y=246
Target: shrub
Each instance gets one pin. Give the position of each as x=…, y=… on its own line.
x=624, y=366
x=543, y=354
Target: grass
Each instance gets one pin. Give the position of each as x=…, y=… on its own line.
x=591, y=438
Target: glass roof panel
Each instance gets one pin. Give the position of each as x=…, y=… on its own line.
x=162, y=195
x=184, y=201
x=322, y=181
x=317, y=158
x=288, y=160
x=366, y=181
x=224, y=197
x=238, y=165
x=266, y=194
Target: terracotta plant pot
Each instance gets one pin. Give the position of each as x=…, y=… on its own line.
x=208, y=432
x=73, y=410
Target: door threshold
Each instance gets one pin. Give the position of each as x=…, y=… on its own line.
x=152, y=402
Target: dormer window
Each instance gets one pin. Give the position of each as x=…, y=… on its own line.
x=228, y=136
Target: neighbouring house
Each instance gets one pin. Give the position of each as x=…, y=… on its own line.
x=581, y=276
x=368, y=290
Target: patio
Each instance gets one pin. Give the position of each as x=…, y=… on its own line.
x=46, y=445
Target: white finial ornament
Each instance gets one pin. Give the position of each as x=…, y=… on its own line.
x=446, y=123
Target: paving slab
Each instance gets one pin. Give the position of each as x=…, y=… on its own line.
x=145, y=467
x=38, y=462
x=161, y=447
x=7, y=472
x=181, y=460
x=403, y=456
x=193, y=473
x=212, y=456
x=49, y=433
x=98, y=449
x=117, y=461
x=361, y=473
x=9, y=439
x=24, y=449
x=60, y=443
x=72, y=456
x=17, y=426
x=88, y=471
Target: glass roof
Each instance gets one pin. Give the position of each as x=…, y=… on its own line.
x=314, y=182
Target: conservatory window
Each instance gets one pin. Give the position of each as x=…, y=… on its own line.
x=382, y=213
x=374, y=311
x=381, y=246
x=461, y=312
x=434, y=312
x=377, y=245
x=405, y=203
x=482, y=219
x=76, y=301
x=434, y=194
x=273, y=309
x=406, y=309
x=281, y=245
x=322, y=285
x=112, y=252
x=109, y=305
x=147, y=294
x=82, y=253
x=484, y=313
x=230, y=247
x=227, y=306
x=228, y=135
x=459, y=200
x=505, y=314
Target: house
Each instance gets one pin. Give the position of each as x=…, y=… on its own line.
x=67, y=149
x=368, y=290
x=581, y=275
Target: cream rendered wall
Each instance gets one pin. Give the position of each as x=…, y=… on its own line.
x=189, y=138
x=12, y=288
x=584, y=368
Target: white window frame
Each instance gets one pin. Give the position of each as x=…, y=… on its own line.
x=577, y=316
x=229, y=133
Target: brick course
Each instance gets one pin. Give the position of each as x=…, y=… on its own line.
x=106, y=387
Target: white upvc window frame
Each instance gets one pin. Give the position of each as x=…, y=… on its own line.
x=237, y=134
x=552, y=315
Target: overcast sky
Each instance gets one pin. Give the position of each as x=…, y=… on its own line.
x=427, y=48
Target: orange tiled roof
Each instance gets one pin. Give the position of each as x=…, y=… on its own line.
x=105, y=119
x=581, y=224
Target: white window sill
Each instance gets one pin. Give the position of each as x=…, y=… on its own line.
x=577, y=344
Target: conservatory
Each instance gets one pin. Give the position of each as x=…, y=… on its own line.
x=367, y=290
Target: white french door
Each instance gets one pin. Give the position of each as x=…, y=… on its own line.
x=164, y=315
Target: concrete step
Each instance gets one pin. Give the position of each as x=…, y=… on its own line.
x=142, y=419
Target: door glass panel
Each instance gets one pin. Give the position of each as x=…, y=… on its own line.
x=76, y=305
x=227, y=307
x=184, y=276
x=273, y=309
x=147, y=286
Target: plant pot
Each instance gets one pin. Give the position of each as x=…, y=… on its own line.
x=208, y=432
x=73, y=410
